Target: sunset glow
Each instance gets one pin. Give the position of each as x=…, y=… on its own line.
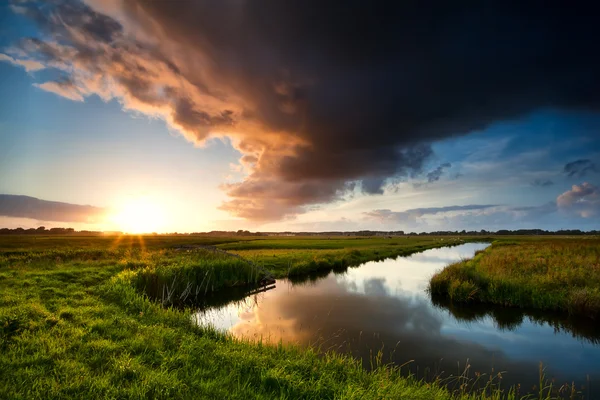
x=140, y=215
x=222, y=121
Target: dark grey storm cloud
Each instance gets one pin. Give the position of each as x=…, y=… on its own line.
x=44, y=210
x=580, y=168
x=320, y=94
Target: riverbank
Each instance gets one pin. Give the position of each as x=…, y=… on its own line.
x=559, y=275
x=75, y=324
x=303, y=256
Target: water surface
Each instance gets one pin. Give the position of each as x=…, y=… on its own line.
x=383, y=306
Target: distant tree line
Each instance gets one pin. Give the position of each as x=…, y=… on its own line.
x=43, y=231
x=365, y=233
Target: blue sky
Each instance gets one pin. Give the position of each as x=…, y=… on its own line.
x=113, y=153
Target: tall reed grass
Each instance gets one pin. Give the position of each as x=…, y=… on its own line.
x=193, y=275
x=559, y=275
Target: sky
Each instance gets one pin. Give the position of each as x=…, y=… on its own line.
x=298, y=116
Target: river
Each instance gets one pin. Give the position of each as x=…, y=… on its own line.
x=384, y=307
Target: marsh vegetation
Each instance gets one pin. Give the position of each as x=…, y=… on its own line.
x=80, y=318
x=558, y=275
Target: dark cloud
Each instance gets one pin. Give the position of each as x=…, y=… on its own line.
x=542, y=183
x=44, y=210
x=373, y=185
x=270, y=199
x=436, y=174
x=580, y=168
x=322, y=94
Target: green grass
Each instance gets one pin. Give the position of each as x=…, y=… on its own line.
x=562, y=275
x=76, y=322
x=323, y=243
x=175, y=277
x=27, y=243
x=299, y=257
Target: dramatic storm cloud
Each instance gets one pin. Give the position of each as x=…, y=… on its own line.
x=318, y=96
x=43, y=210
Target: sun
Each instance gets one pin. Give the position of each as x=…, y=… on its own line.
x=140, y=215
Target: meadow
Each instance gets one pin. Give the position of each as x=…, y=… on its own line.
x=297, y=257
x=82, y=318
x=546, y=274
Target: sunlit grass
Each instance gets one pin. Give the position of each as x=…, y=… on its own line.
x=297, y=257
x=180, y=278
x=550, y=275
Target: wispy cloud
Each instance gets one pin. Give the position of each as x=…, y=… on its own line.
x=474, y=217
x=580, y=168
x=542, y=183
x=436, y=174
x=62, y=88
x=29, y=65
x=415, y=213
x=581, y=201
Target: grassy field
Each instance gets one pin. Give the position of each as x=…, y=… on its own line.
x=31, y=243
x=298, y=257
x=549, y=274
x=76, y=321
